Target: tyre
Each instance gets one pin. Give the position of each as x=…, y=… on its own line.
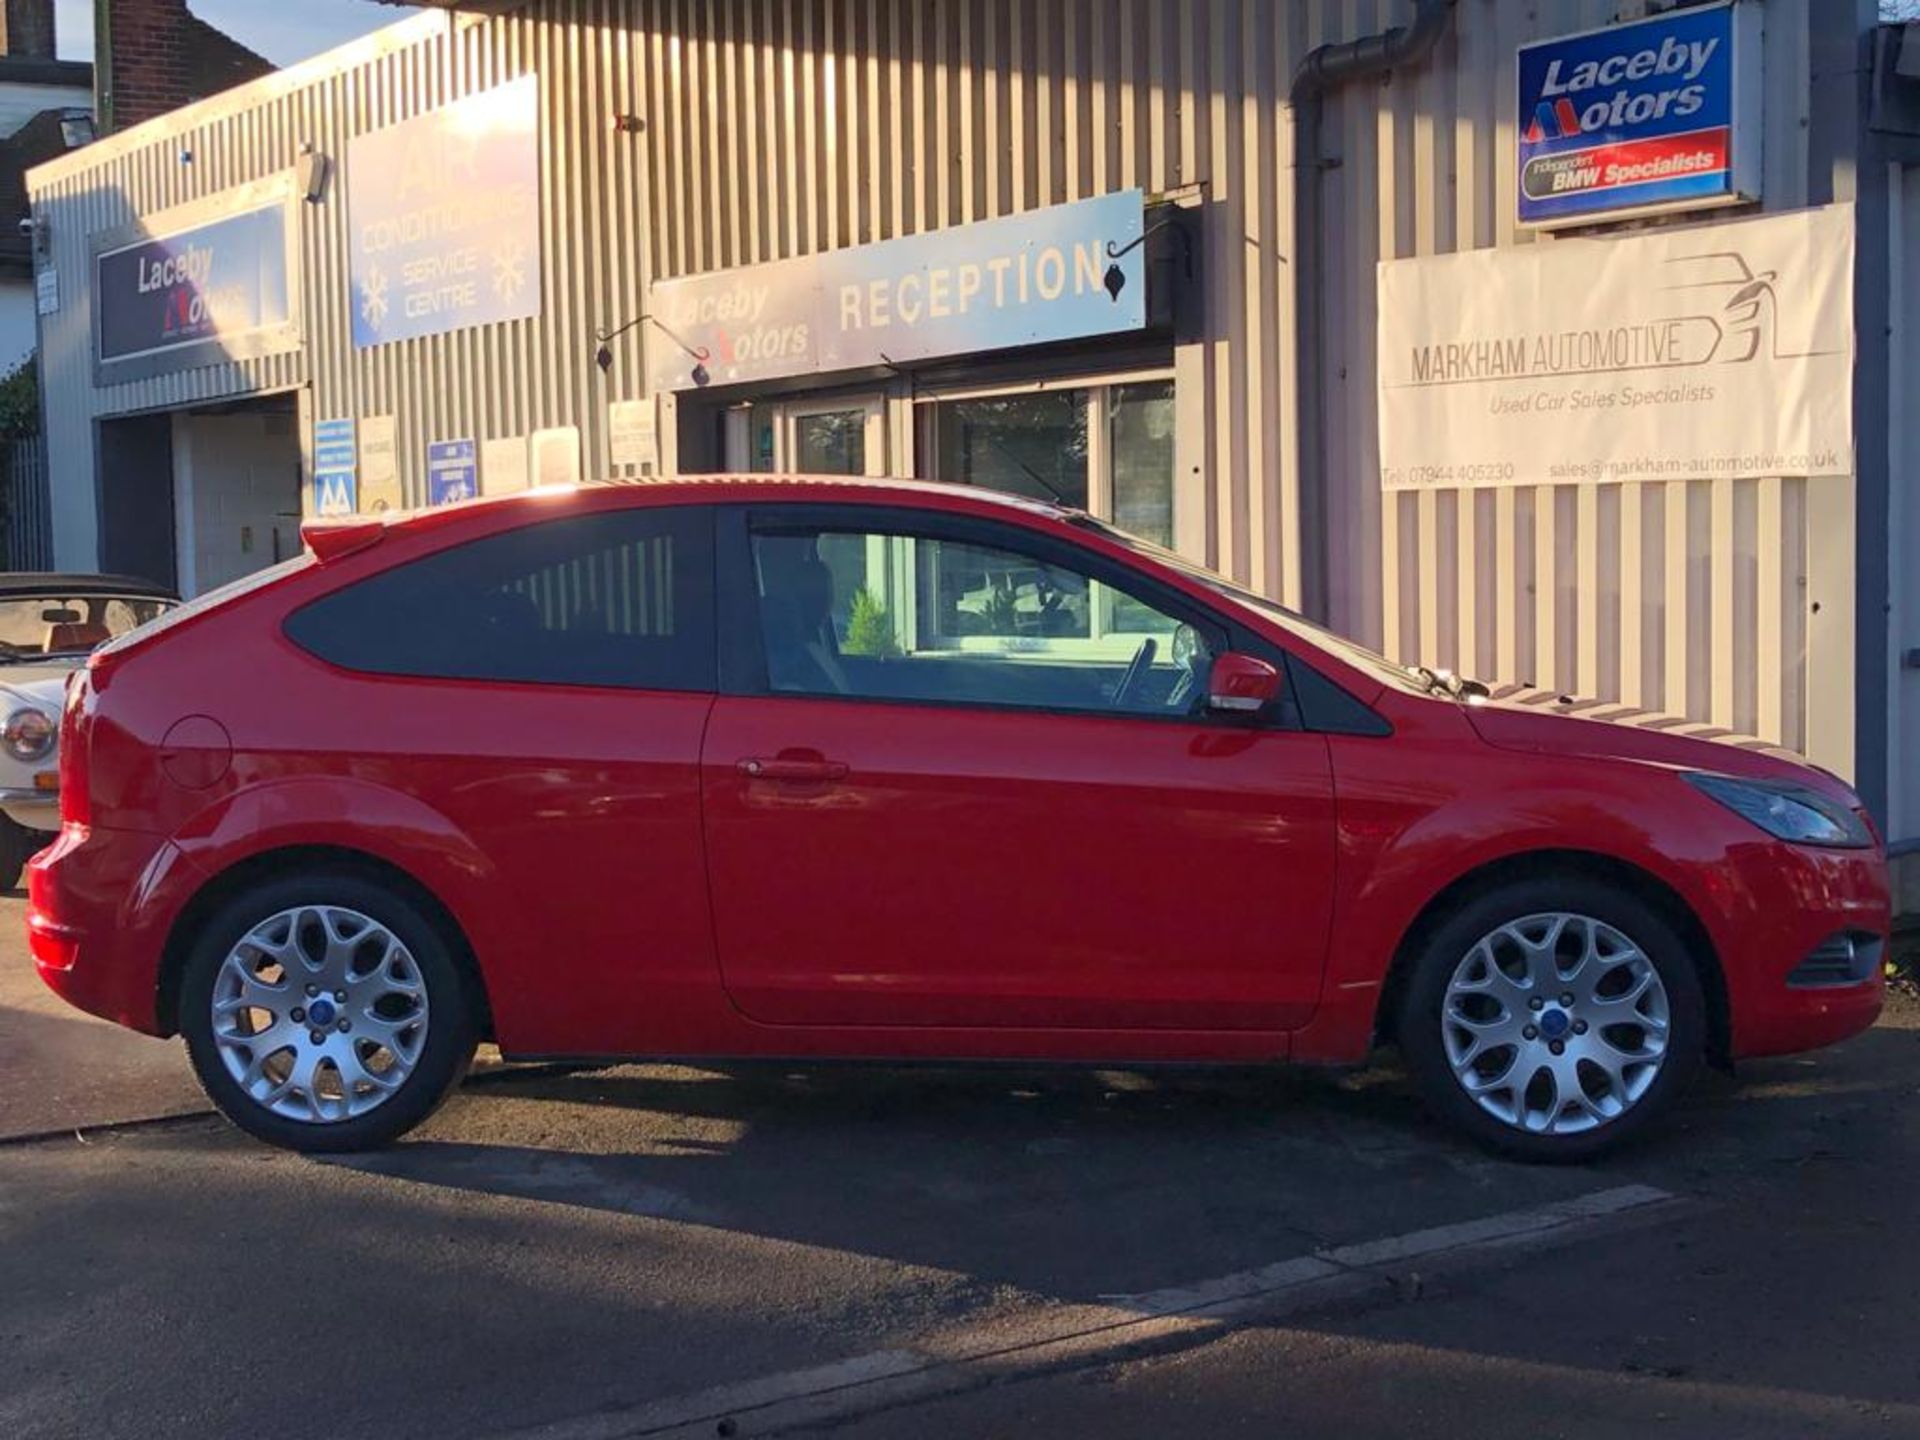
x=325, y=1013
x=1553, y=1019
x=18, y=845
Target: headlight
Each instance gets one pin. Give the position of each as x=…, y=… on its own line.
x=1787, y=811
x=28, y=735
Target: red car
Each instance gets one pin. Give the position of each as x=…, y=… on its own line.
x=759, y=767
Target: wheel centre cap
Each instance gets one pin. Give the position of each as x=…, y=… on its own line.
x=321, y=1012
x=1554, y=1023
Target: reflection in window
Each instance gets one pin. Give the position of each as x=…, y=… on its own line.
x=1042, y=445
x=1033, y=445
x=1140, y=423
x=922, y=618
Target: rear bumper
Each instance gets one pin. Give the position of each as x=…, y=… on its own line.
x=100, y=905
x=1783, y=902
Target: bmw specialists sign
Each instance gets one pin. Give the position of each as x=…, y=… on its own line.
x=1661, y=114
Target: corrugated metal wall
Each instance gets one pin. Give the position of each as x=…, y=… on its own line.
x=1730, y=601
x=777, y=129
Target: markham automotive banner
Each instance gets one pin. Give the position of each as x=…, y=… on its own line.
x=444, y=214
x=1659, y=114
x=1670, y=355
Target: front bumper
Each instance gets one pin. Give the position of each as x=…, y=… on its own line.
x=1782, y=904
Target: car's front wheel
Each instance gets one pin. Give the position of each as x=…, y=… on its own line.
x=325, y=1013
x=1553, y=1019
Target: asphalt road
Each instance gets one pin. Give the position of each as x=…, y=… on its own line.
x=932, y=1253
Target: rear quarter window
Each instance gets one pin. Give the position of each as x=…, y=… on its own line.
x=623, y=599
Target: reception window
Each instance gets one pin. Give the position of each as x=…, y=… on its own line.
x=1103, y=447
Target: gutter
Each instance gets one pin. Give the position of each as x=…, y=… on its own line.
x=1325, y=69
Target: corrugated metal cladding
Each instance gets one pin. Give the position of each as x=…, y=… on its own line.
x=778, y=129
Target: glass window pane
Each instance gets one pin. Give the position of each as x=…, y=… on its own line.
x=1033, y=445
x=1140, y=426
x=919, y=618
x=832, y=442
x=622, y=598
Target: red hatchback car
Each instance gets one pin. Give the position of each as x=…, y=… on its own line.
x=769, y=768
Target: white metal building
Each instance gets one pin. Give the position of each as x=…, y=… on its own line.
x=502, y=243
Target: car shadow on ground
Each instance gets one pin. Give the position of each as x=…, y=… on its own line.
x=1071, y=1183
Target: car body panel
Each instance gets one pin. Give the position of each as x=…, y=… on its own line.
x=1036, y=870
x=981, y=883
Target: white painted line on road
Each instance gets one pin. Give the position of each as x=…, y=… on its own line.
x=1495, y=1229
x=1050, y=1336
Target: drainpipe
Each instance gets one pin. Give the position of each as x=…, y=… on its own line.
x=1325, y=69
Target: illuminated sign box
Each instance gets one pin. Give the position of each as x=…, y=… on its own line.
x=204, y=284
x=1661, y=114
x=1066, y=272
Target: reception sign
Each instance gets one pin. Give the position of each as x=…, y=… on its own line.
x=1659, y=114
x=1020, y=280
x=1668, y=355
x=444, y=218
x=194, y=295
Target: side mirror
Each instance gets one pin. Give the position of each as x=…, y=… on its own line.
x=1241, y=684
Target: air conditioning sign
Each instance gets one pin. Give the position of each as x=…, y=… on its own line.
x=1662, y=114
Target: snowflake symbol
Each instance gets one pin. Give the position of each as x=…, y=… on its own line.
x=373, y=298
x=509, y=271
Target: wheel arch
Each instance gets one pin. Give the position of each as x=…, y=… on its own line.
x=1633, y=879
x=270, y=864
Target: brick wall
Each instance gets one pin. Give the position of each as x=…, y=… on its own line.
x=26, y=28
x=157, y=56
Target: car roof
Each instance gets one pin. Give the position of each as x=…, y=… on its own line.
x=717, y=489
x=23, y=584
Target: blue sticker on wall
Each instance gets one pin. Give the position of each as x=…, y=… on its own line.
x=453, y=471
x=336, y=469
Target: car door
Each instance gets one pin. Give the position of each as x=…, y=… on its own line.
x=961, y=774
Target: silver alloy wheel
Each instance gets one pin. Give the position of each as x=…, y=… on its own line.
x=320, y=1013
x=1555, y=1023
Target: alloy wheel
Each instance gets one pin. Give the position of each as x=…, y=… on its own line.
x=320, y=1013
x=1556, y=1023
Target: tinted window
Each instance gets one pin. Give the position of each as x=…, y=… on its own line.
x=617, y=599
x=921, y=618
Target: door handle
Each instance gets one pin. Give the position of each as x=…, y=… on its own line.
x=793, y=770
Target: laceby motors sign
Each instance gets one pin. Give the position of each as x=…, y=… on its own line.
x=1661, y=114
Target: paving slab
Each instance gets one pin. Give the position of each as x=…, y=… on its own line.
x=63, y=1070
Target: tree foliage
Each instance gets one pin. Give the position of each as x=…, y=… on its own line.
x=20, y=401
x=869, y=628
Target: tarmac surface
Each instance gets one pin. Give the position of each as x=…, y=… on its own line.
x=912, y=1253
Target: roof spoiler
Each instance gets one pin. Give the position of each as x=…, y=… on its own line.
x=330, y=541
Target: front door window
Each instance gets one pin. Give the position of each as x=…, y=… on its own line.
x=921, y=618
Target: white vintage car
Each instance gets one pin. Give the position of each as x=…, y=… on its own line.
x=49, y=624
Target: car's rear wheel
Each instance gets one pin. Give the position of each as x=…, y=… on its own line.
x=325, y=1013
x=1553, y=1019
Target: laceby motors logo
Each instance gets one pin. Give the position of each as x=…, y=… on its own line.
x=1630, y=117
